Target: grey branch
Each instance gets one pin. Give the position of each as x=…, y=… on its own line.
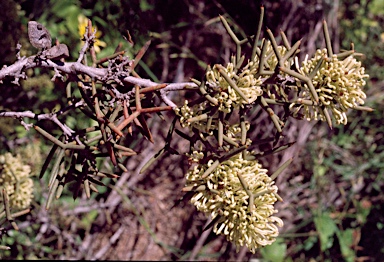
x=17, y=69
x=28, y=114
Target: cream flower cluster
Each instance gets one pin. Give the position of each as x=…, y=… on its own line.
x=272, y=60
x=240, y=197
x=227, y=97
x=200, y=121
x=186, y=112
x=15, y=178
x=338, y=84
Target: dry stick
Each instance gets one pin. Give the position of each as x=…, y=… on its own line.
x=140, y=54
x=49, y=116
x=220, y=129
x=135, y=176
x=137, y=98
x=152, y=88
x=86, y=208
x=85, y=247
x=243, y=252
x=128, y=120
x=8, y=210
x=107, y=58
x=92, y=49
x=156, y=109
x=111, y=242
x=304, y=130
x=200, y=242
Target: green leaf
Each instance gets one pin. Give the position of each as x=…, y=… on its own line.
x=21, y=131
x=99, y=20
x=71, y=122
x=64, y=8
x=376, y=7
x=275, y=252
x=89, y=218
x=320, y=170
x=326, y=228
x=72, y=22
x=310, y=242
x=145, y=6
x=345, y=242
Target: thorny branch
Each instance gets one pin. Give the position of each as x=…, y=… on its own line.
x=17, y=70
x=102, y=100
x=28, y=114
x=118, y=73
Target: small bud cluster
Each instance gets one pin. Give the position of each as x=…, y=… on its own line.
x=240, y=197
x=15, y=178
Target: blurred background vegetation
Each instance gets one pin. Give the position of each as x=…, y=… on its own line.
x=333, y=203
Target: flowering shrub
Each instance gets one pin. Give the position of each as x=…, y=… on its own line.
x=226, y=180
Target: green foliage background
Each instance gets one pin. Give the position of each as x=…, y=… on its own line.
x=348, y=157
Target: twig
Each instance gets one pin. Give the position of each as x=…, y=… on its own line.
x=112, y=241
x=200, y=242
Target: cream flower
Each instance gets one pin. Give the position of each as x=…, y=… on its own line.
x=240, y=196
x=338, y=84
x=15, y=178
x=199, y=119
x=222, y=90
